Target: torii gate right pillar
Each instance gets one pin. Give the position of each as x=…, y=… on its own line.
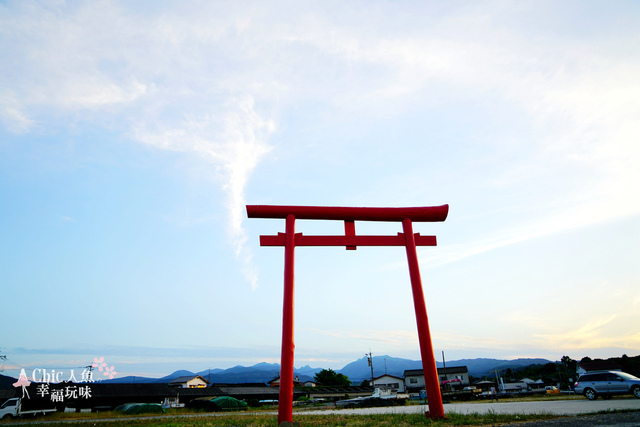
x=432, y=382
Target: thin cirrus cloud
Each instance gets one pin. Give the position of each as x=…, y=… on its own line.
x=593, y=333
x=235, y=142
x=154, y=102
x=214, y=87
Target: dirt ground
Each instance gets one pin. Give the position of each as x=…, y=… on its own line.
x=626, y=419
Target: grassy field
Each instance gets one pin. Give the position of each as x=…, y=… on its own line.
x=270, y=419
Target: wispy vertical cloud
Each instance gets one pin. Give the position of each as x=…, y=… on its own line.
x=142, y=89
x=233, y=141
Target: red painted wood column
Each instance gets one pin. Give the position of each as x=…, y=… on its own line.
x=285, y=401
x=432, y=383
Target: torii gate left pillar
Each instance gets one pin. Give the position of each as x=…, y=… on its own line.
x=290, y=240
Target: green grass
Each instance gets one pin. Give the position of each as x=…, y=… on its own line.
x=269, y=419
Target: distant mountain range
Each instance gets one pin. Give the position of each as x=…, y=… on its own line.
x=360, y=370
x=357, y=371
x=260, y=373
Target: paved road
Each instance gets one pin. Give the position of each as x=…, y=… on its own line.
x=557, y=407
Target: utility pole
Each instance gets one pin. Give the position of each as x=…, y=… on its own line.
x=444, y=367
x=498, y=378
x=370, y=360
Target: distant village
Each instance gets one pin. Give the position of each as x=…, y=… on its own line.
x=193, y=390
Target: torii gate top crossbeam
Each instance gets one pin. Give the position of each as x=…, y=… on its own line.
x=416, y=214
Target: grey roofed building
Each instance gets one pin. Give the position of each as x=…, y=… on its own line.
x=453, y=370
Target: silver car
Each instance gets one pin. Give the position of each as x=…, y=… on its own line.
x=606, y=384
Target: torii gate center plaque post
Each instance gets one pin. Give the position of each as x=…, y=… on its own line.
x=290, y=239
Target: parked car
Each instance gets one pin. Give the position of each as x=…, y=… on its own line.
x=607, y=384
x=552, y=390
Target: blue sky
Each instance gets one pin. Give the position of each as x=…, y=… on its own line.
x=132, y=135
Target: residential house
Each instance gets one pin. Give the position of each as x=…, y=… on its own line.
x=389, y=382
x=414, y=380
x=296, y=382
x=457, y=376
x=191, y=381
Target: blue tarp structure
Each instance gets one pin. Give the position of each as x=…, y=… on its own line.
x=140, y=408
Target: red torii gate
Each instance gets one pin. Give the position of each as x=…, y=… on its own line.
x=290, y=239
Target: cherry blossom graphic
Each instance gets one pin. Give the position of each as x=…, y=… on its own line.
x=99, y=363
x=110, y=372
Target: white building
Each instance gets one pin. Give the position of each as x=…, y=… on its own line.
x=389, y=382
x=192, y=381
x=414, y=380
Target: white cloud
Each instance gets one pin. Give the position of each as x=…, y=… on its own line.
x=190, y=78
x=596, y=333
x=97, y=63
x=15, y=120
x=234, y=142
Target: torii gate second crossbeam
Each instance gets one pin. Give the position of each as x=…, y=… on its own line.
x=290, y=239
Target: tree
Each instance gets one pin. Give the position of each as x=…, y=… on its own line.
x=330, y=377
x=570, y=365
x=509, y=374
x=549, y=368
